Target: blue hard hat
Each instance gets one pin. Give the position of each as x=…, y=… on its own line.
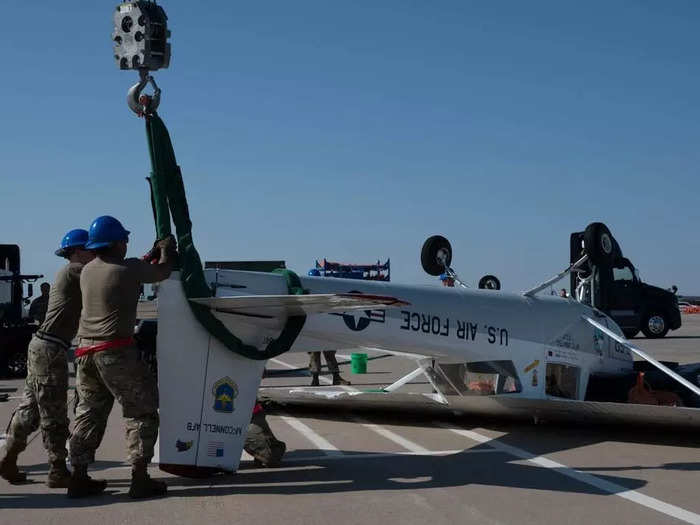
x=314, y=273
x=73, y=239
x=443, y=277
x=104, y=231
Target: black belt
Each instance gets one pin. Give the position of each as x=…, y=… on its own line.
x=52, y=339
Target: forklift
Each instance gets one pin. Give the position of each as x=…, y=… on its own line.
x=16, y=329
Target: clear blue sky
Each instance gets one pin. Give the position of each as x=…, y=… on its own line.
x=354, y=130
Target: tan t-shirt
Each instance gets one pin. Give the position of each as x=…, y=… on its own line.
x=110, y=291
x=63, y=311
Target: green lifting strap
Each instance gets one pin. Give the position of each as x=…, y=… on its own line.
x=168, y=198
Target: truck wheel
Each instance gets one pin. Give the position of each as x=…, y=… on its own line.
x=655, y=325
x=436, y=255
x=629, y=334
x=489, y=282
x=599, y=244
x=17, y=364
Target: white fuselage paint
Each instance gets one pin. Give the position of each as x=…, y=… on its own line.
x=453, y=325
x=207, y=392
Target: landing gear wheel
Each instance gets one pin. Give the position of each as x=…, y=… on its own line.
x=629, y=334
x=17, y=364
x=489, y=282
x=655, y=325
x=599, y=244
x=436, y=255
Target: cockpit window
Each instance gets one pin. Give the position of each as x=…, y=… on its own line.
x=562, y=381
x=482, y=378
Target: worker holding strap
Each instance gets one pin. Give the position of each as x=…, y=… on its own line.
x=109, y=364
x=45, y=398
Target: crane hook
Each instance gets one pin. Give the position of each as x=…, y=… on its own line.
x=143, y=105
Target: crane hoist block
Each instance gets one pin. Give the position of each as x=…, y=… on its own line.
x=140, y=36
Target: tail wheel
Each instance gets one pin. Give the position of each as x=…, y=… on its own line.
x=600, y=244
x=655, y=325
x=489, y=282
x=436, y=255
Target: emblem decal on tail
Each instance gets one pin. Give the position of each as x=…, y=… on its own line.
x=224, y=392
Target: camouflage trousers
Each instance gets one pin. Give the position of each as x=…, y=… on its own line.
x=261, y=443
x=44, y=402
x=115, y=373
x=315, y=362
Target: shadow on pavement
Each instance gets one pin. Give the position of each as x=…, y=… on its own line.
x=320, y=476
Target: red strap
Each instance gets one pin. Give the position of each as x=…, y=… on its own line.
x=114, y=343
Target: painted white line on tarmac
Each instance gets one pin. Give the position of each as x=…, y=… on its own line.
x=378, y=429
x=594, y=481
x=392, y=436
x=321, y=443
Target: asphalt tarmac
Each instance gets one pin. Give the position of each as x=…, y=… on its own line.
x=387, y=469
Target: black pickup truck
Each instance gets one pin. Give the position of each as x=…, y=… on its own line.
x=633, y=304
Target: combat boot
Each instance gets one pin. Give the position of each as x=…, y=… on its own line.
x=81, y=485
x=142, y=486
x=337, y=380
x=9, y=470
x=59, y=475
x=314, y=380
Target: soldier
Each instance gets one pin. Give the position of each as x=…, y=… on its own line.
x=331, y=361
x=45, y=392
x=40, y=305
x=261, y=443
x=109, y=364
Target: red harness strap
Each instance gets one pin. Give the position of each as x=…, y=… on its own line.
x=114, y=343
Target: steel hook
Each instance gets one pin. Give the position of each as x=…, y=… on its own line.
x=143, y=104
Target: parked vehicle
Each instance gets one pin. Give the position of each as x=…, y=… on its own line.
x=16, y=330
x=617, y=290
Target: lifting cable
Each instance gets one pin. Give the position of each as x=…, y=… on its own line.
x=167, y=188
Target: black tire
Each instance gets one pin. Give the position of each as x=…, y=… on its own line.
x=599, y=244
x=489, y=282
x=435, y=250
x=630, y=332
x=655, y=325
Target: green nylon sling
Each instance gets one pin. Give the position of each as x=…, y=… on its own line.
x=168, y=198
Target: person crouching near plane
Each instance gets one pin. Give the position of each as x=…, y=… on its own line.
x=109, y=364
x=44, y=403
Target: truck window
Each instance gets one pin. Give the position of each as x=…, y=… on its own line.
x=623, y=274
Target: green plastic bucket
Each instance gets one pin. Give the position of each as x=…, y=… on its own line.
x=358, y=362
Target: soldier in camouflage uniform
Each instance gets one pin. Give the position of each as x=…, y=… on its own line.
x=261, y=443
x=331, y=361
x=109, y=362
x=45, y=393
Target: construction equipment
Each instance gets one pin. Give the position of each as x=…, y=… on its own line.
x=16, y=330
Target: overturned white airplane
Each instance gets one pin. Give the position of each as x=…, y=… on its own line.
x=483, y=351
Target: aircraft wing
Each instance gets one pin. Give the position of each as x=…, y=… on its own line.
x=331, y=400
x=269, y=305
